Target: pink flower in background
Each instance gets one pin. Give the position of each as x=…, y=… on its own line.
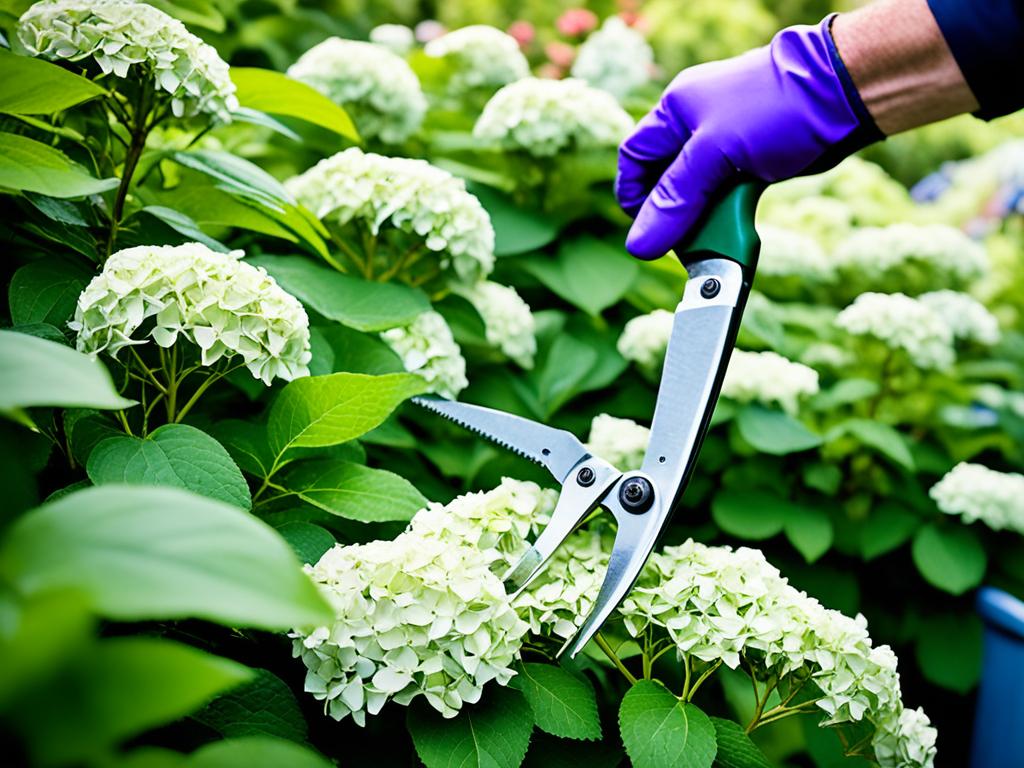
x=550, y=71
x=428, y=30
x=576, y=22
x=560, y=54
x=523, y=32
x=637, y=21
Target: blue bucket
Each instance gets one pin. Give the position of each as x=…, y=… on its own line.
x=999, y=721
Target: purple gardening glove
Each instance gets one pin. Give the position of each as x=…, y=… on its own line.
x=773, y=113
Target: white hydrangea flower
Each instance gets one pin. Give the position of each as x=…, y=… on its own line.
x=428, y=349
x=768, y=378
x=620, y=442
x=913, y=257
x=969, y=319
x=616, y=58
x=508, y=321
x=374, y=85
x=901, y=323
x=417, y=616
x=644, y=340
x=498, y=522
x=545, y=117
x=397, y=38
x=786, y=252
x=224, y=306
x=905, y=738
x=411, y=196
x=482, y=57
x=978, y=493
x=132, y=38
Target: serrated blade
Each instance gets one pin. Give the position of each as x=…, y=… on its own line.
x=554, y=449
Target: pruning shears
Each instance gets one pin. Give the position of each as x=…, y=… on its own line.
x=720, y=259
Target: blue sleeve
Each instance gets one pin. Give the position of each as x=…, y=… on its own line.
x=987, y=41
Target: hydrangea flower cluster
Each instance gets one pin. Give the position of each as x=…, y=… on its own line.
x=224, y=306
x=644, y=340
x=428, y=349
x=411, y=196
x=786, y=252
x=901, y=322
x=125, y=38
x=508, y=321
x=397, y=38
x=914, y=257
x=615, y=58
x=375, y=86
x=545, y=117
x=620, y=442
x=768, y=378
x=719, y=603
x=416, y=616
x=976, y=492
x=968, y=318
x=482, y=57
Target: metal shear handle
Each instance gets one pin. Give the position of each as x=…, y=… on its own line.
x=720, y=261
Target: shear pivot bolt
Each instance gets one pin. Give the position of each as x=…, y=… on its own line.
x=710, y=288
x=636, y=495
x=585, y=477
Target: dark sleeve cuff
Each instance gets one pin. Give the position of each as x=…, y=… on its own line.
x=987, y=41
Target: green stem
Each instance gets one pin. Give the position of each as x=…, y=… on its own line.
x=704, y=676
x=139, y=132
x=124, y=422
x=603, y=645
x=686, y=681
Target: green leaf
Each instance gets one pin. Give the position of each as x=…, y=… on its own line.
x=246, y=442
x=121, y=687
x=37, y=87
x=318, y=411
x=562, y=703
x=279, y=94
x=516, y=230
x=588, y=273
x=950, y=558
x=255, y=752
x=359, y=304
x=548, y=752
x=492, y=734
x=750, y=514
x=358, y=352
x=46, y=291
x=949, y=650
x=881, y=437
x=161, y=553
x=175, y=455
x=236, y=175
x=353, y=491
x=198, y=13
x=735, y=749
x=659, y=730
x=809, y=530
x=264, y=706
x=889, y=527
x=308, y=540
x=775, y=432
x=36, y=372
x=183, y=225
x=31, y=166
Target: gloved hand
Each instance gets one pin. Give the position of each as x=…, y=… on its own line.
x=772, y=113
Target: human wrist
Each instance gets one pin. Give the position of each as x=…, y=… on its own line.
x=902, y=67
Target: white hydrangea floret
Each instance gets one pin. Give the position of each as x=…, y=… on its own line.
x=417, y=616
x=409, y=195
x=768, y=378
x=397, y=38
x=545, y=117
x=621, y=442
x=786, y=252
x=130, y=38
x=508, y=321
x=224, y=306
x=905, y=738
x=374, y=85
x=901, y=322
x=976, y=492
x=481, y=57
x=968, y=318
x=644, y=340
x=616, y=58
x=427, y=348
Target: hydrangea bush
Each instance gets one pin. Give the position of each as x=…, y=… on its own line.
x=481, y=58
